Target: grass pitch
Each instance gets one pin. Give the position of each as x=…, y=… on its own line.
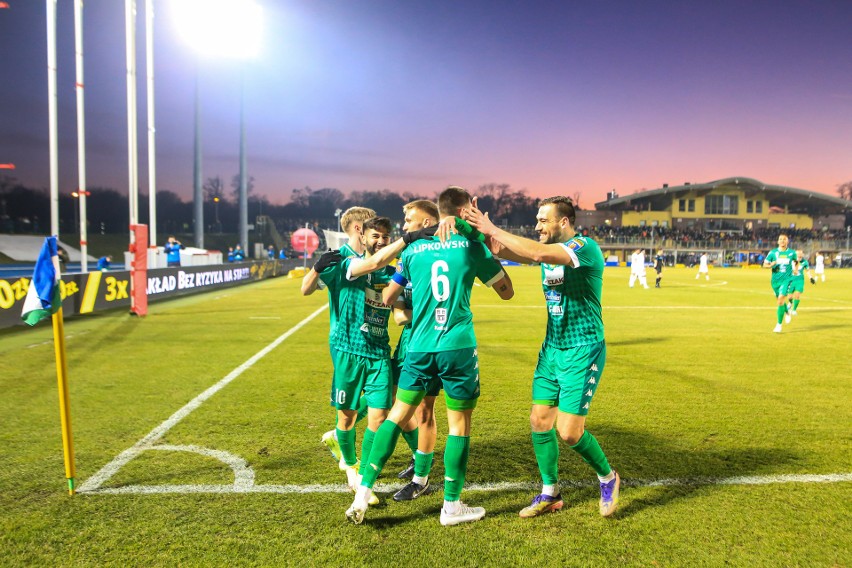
x=733, y=441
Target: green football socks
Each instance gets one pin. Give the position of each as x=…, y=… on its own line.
x=592, y=454
x=411, y=439
x=546, y=448
x=455, y=466
x=795, y=305
x=366, y=448
x=346, y=439
x=423, y=463
x=383, y=446
x=782, y=309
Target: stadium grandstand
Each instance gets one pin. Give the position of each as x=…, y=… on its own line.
x=736, y=220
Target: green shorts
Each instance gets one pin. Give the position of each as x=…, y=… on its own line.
x=356, y=373
x=782, y=288
x=797, y=285
x=456, y=371
x=568, y=378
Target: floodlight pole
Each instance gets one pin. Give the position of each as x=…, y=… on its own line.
x=132, y=159
x=51, y=120
x=243, y=168
x=152, y=146
x=81, y=136
x=198, y=198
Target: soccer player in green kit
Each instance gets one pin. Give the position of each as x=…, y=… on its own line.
x=352, y=222
x=781, y=261
x=797, y=285
x=442, y=349
x=572, y=357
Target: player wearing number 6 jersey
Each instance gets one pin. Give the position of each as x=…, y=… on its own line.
x=442, y=351
x=572, y=357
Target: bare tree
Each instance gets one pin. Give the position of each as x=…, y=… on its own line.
x=214, y=187
x=235, y=184
x=844, y=190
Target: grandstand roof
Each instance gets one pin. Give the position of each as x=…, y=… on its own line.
x=796, y=200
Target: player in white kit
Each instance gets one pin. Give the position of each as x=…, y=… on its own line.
x=819, y=266
x=637, y=268
x=703, y=268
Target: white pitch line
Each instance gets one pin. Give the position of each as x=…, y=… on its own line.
x=489, y=487
x=766, y=307
x=148, y=441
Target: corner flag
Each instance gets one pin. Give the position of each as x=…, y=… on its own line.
x=43, y=297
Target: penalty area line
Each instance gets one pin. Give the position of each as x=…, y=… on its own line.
x=146, y=443
x=488, y=487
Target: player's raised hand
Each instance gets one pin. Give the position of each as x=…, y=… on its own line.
x=327, y=259
x=446, y=228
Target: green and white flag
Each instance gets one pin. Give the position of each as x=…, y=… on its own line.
x=43, y=296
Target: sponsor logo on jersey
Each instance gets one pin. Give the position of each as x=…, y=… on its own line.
x=575, y=244
x=555, y=310
x=553, y=297
x=374, y=330
x=441, y=315
x=554, y=275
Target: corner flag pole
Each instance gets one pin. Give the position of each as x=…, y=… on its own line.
x=64, y=400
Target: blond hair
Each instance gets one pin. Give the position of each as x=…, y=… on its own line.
x=424, y=206
x=355, y=215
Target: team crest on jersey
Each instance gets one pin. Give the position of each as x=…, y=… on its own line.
x=554, y=274
x=441, y=315
x=575, y=244
x=552, y=297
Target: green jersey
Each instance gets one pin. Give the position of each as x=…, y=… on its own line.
x=441, y=276
x=573, y=296
x=333, y=308
x=783, y=270
x=799, y=270
x=362, y=317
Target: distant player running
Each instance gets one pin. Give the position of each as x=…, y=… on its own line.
x=781, y=260
x=819, y=266
x=442, y=350
x=572, y=357
x=797, y=283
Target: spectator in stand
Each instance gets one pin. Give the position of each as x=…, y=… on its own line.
x=230, y=254
x=104, y=263
x=172, y=249
x=270, y=252
x=239, y=253
x=62, y=254
x=282, y=254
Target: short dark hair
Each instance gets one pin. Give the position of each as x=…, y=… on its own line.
x=381, y=224
x=452, y=199
x=564, y=207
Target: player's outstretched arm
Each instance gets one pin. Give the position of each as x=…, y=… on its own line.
x=392, y=291
x=361, y=266
x=526, y=249
x=310, y=283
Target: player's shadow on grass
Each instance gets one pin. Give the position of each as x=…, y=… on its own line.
x=641, y=458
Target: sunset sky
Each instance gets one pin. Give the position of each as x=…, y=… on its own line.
x=554, y=97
